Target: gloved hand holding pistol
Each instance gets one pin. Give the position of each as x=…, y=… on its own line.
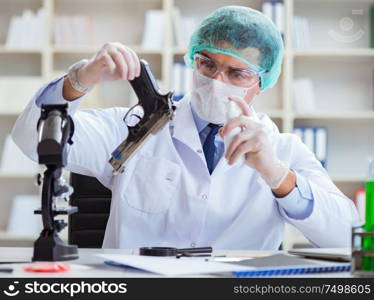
x=114, y=61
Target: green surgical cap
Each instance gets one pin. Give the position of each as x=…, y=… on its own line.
x=236, y=31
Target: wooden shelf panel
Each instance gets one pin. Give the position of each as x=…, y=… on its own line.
x=310, y=53
x=272, y=113
x=94, y=49
x=5, y=50
x=11, y=237
x=358, y=115
x=17, y=176
x=347, y=178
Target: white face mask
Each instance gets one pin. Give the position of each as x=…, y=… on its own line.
x=209, y=98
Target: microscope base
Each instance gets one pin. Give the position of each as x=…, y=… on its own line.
x=52, y=248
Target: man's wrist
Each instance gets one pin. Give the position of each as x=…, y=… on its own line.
x=76, y=80
x=287, y=185
x=273, y=171
x=68, y=91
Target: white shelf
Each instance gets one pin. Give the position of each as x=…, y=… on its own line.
x=344, y=115
x=17, y=176
x=9, y=114
x=346, y=178
x=329, y=53
x=179, y=51
x=74, y=50
x=4, y=235
x=94, y=49
x=273, y=113
x=6, y=50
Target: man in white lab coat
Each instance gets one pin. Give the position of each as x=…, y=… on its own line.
x=207, y=179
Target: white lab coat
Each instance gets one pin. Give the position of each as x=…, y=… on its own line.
x=166, y=196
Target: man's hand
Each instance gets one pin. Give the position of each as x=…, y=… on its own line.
x=255, y=143
x=114, y=61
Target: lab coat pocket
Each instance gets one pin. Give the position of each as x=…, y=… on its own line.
x=153, y=184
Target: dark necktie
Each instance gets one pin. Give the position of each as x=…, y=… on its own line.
x=209, y=146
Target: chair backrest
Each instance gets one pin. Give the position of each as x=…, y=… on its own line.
x=87, y=226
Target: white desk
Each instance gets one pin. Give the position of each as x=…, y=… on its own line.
x=90, y=266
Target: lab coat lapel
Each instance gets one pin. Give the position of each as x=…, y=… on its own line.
x=221, y=166
x=184, y=127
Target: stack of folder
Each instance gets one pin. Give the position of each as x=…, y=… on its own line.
x=315, y=138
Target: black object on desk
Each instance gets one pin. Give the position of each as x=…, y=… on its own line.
x=170, y=251
x=6, y=270
x=14, y=262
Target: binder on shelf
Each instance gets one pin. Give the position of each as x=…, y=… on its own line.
x=267, y=9
x=309, y=138
x=274, y=10
x=315, y=138
x=298, y=132
x=301, y=33
x=303, y=95
x=187, y=79
x=154, y=29
x=320, y=145
x=178, y=80
x=279, y=16
x=27, y=30
x=74, y=30
x=182, y=80
x=177, y=32
x=183, y=27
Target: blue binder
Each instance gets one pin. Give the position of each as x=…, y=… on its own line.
x=316, y=139
x=295, y=270
x=282, y=264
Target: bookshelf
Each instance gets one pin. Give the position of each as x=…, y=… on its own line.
x=342, y=72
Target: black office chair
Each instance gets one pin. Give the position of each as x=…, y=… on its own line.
x=87, y=226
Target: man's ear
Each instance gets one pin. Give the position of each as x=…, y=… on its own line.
x=251, y=93
x=258, y=88
x=258, y=91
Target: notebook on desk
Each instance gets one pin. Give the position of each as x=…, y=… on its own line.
x=335, y=254
x=281, y=265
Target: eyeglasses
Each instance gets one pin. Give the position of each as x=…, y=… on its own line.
x=232, y=75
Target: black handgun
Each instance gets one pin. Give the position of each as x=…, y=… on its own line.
x=157, y=111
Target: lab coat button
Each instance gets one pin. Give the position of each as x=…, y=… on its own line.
x=193, y=245
x=204, y=197
x=199, y=151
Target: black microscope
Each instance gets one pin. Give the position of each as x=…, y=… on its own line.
x=55, y=128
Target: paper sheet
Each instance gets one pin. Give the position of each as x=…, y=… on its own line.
x=171, y=266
